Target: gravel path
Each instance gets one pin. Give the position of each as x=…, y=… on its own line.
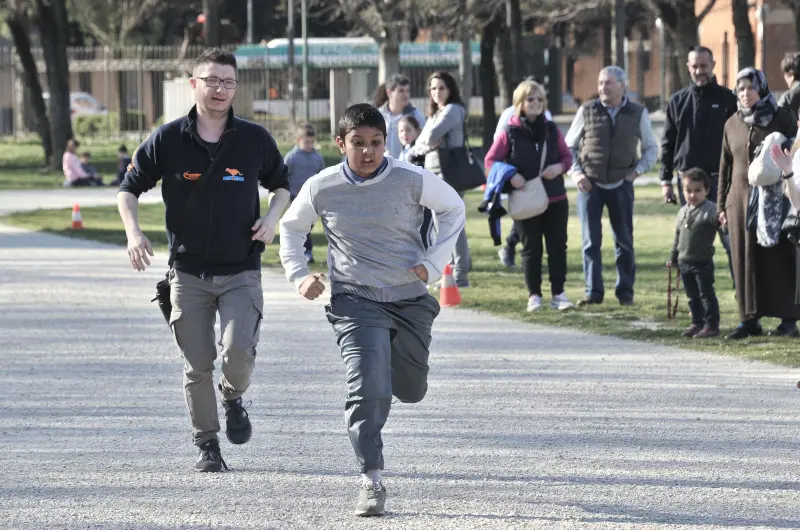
x=523, y=426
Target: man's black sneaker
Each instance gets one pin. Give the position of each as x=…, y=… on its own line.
x=210, y=460
x=237, y=424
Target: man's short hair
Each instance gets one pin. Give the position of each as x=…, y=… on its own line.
x=696, y=174
x=361, y=115
x=216, y=56
x=396, y=80
x=305, y=130
x=122, y=149
x=790, y=64
x=701, y=49
x=617, y=72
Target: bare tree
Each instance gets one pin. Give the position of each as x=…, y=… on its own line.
x=111, y=23
x=384, y=21
x=745, y=41
x=18, y=20
x=53, y=24
x=681, y=22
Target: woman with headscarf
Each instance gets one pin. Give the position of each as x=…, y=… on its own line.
x=764, y=275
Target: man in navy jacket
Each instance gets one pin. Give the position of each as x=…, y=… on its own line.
x=211, y=164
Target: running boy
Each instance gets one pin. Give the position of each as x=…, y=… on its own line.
x=693, y=252
x=372, y=210
x=303, y=162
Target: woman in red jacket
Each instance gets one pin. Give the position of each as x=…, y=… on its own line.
x=521, y=145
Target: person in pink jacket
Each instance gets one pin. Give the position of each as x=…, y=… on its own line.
x=521, y=145
x=74, y=173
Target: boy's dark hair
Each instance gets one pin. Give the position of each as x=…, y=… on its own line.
x=216, y=56
x=396, y=80
x=361, y=115
x=122, y=149
x=86, y=154
x=697, y=175
x=411, y=120
x=305, y=130
x=791, y=64
x=701, y=49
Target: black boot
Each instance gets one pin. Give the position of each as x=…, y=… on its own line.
x=210, y=460
x=237, y=424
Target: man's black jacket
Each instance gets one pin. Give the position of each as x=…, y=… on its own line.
x=215, y=238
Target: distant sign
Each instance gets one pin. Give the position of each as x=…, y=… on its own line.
x=349, y=53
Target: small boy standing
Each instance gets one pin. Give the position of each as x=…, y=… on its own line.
x=693, y=252
x=372, y=210
x=304, y=162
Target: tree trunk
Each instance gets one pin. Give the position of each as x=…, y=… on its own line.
x=211, y=26
x=608, y=43
x=620, y=24
x=465, y=58
x=488, y=74
x=514, y=25
x=20, y=34
x=122, y=98
x=388, y=56
x=501, y=65
x=746, y=42
x=53, y=30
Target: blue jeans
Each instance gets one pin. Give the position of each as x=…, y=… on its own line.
x=620, y=213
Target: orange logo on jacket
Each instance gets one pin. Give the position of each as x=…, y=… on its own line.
x=191, y=176
x=233, y=172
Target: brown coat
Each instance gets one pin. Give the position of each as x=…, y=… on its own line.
x=764, y=277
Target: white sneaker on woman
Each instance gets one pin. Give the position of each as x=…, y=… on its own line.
x=561, y=302
x=534, y=303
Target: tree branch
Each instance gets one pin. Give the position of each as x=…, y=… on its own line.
x=706, y=10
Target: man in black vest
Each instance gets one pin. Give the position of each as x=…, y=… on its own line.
x=604, y=139
x=694, y=128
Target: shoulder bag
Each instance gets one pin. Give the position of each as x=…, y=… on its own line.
x=458, y=165
x=530, y=200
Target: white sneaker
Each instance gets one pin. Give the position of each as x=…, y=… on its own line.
x=561, y=302
x=534, y=303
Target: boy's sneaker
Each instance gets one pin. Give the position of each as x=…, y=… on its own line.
x=561, y=302
x=706, y=332
x=371, y=499
x=691, y=331
x=237, y=425
x=210, y=460
x=506, y=257
x=534, y=303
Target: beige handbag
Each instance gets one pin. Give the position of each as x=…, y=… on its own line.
x=530, y=200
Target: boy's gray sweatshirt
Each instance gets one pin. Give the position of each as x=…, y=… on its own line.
x=373, y=230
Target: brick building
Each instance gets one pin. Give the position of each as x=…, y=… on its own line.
x=773, y=28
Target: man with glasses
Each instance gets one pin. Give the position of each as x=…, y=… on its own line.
x=211, y=164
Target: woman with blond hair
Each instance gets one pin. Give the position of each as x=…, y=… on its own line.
x=527, y=137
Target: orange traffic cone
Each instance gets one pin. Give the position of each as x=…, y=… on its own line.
x=77, y=219
x=448, y=294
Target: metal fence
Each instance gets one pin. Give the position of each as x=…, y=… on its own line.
x=131, y=90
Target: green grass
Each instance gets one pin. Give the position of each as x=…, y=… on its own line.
x=22, y=164
x=503, y=293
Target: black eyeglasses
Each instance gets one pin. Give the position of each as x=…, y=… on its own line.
x=215, y=82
